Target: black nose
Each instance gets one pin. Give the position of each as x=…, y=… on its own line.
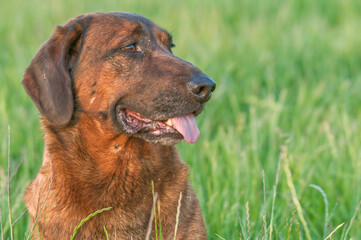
x=201, y=87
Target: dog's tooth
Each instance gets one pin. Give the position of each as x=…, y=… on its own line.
x=169, y=122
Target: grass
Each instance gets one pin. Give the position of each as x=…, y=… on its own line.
x=89, y=217
x=288, y=73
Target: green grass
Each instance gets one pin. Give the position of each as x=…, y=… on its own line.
x=87, y=218
x=288, y=76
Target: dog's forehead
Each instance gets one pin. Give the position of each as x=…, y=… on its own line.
x=120, y=21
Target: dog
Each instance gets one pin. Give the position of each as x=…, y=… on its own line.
x=114, y=101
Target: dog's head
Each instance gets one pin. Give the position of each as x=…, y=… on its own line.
x=119, y=69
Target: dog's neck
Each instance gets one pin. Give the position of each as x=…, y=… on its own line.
x=97, y=171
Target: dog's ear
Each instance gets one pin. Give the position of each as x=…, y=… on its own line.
x=47, y=80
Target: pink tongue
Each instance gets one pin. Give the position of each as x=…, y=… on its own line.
x=187, y=126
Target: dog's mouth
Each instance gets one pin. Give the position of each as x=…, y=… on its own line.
x=179, y=127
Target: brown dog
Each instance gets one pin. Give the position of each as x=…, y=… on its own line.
x=114, y=100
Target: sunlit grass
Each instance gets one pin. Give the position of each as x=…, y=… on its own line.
x=288, y=73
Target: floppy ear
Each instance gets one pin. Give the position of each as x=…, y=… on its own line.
x=47, y=79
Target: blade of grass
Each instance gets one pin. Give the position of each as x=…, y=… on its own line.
x=326, y=207
x=352, y=219
x=150, y=224
x=240, y=224
x=248, y=221
x=330, y=235
x=160, y=222
x=41, y=209
x=106, y=233
x=87, y=218
x=293, y=191
x=43, y=230
x=9, y=200
x=1, y=226
x=274, y=195
x=220, y=237
x=20, y=216
x=344, y=232
x=11, y=176
x=298, y=230
x=177, y=216
x=265, y=204
x=291, y=223
x=262, y=228
x=155, y=213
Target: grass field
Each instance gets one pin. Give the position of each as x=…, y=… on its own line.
x=288, y=77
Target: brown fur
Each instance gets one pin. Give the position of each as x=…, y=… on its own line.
x=77, y=79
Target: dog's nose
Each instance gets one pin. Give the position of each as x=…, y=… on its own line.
x=201, y=87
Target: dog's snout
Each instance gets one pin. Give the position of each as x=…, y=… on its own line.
x=201, y=87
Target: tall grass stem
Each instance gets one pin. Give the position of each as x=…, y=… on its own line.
x=326, y=207
x=1, y=226
x=87, y=218
x=41, y=208
x=240, y=224
x=248, y=221
x=265, y=204
x=20, y=216
x=293, y=191
x=274, y=195
x=352, y=219
x=155, y=211
x=178, y=213
x=160, y=221
x=106, y=233
x=330, y=235
x=9, y=196
x=150, y=224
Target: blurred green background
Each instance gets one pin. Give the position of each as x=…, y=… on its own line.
x=288, y=77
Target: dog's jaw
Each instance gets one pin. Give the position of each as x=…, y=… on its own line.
x=167, y=132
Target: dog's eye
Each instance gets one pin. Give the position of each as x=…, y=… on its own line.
x=130, y=48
